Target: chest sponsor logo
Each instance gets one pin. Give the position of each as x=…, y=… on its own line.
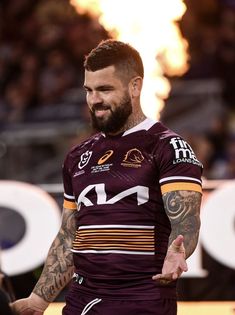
x=133, y=158
x=85, y=157
x=105, y=157
x=142, y=195
x=183, y=152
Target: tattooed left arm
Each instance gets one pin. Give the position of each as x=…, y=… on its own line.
x=57, y=272
x=183, y=211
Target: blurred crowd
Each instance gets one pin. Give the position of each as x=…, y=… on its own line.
x=42, y=47
x=209, y=27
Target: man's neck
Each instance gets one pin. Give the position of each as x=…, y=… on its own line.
x=133, y=121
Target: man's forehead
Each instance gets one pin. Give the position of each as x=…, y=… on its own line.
x=101, y=77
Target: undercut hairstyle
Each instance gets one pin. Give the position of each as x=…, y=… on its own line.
x=122, y=56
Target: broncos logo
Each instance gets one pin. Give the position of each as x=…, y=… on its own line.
x=133, y=156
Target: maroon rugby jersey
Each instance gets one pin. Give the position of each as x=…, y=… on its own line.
x=116, y=185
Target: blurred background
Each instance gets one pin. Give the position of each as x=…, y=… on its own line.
x=43, y=109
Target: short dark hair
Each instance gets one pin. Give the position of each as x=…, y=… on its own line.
x=115, y=53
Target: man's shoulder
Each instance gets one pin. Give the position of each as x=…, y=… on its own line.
x=84, y=145
x=160, y=131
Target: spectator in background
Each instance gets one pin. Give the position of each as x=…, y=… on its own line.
x=16, y=102
x=223, y=166
x=56, y=78
x=226, y=54
x=203, y=148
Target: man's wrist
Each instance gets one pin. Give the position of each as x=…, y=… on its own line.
x=38, y=302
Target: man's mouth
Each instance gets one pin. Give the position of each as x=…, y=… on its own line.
x=100, y=111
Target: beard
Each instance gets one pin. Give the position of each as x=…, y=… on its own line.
x=117, y=118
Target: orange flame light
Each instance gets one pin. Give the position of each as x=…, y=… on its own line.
x=151, y=28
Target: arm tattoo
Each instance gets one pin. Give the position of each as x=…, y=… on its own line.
x=183, y=211
x=58, y=268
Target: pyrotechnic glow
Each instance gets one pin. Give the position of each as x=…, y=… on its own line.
x=150, y=26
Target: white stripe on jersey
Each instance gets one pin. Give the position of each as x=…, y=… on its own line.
x=111, y=251
x=175, y=178
x=69, y=197
x=116, y=226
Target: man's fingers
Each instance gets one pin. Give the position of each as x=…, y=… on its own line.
x=178, y=241
x=184, y=267
x=166, y=276
x=177, y=245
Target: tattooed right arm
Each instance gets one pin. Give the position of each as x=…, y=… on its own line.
x=58, y=268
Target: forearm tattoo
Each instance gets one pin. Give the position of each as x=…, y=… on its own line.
x=58, y=268
x=183, y=211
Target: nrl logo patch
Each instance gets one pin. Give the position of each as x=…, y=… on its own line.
x=85, y=157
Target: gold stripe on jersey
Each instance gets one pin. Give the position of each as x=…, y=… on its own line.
x=69, y=205
x=128, y=240
x=180, y=186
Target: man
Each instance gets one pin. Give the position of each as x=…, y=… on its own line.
x=131, y=203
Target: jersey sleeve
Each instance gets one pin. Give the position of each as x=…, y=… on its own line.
x=179, y=169
x=69, y=199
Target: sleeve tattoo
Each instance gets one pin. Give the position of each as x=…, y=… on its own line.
x=183, y=211
x=58, y=268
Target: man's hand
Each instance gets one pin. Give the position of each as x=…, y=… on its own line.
x=33, y=305
x=174, y=263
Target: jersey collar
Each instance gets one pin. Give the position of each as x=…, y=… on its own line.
x=144, y=125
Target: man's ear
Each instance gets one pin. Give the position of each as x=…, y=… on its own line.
x=136, y=86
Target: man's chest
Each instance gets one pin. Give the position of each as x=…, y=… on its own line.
x=109, y=171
